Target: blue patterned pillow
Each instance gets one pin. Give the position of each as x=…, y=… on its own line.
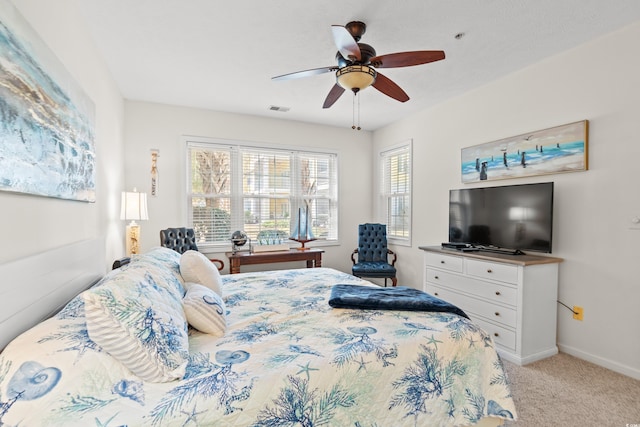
x=167, y=263
x=141, y=323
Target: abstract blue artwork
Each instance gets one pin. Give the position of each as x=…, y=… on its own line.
x=46, y=121
x=554, y=150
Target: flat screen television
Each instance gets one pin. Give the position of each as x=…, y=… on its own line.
x=513, y=218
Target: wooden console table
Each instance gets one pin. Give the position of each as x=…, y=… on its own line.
x=312, y=256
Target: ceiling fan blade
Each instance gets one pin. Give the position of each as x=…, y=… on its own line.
x=389, y=88
x=335, y=93
x=305, y=73
x=346, y=44
x=407, y=59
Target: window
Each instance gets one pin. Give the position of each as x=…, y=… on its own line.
x=259, y=189
x=395, y=194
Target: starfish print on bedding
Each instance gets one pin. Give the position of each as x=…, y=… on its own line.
x=362, y=364
x=105, y=424
x=433, y=341
x=191, y=416
x=306, y=369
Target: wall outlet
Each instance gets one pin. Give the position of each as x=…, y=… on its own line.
x=578, y=312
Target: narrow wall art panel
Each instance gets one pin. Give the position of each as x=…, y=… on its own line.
x=46, y=121
x=554, y=150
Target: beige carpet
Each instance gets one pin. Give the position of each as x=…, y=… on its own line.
x=565, y=391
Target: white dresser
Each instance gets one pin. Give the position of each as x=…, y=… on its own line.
x=512, y=297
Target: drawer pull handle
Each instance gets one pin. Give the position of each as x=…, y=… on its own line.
x=435, y=293
x=495, y=334
x=441, y=261
x=497, y=313
x=497, y=292
x=436, y=277
x=489, y=270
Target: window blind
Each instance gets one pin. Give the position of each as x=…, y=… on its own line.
x=396, y=191
x=259, y=190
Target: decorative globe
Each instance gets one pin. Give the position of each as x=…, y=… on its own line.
x=239, y=238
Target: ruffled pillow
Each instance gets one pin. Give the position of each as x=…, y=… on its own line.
x=195, y=267
x=205, y=310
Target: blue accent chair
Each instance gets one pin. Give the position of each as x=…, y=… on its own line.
x=373, y=254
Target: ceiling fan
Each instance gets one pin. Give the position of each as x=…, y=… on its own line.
x=358, y=63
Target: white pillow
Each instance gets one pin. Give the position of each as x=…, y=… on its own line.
x=195, y=267
x=205, y=310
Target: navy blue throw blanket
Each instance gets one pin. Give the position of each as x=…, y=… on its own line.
x=398, y=298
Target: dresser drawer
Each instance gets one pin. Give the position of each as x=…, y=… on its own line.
x=445, y=262
x=497, y=313
x=491, y=291
x=501, y=336
x=493, y=271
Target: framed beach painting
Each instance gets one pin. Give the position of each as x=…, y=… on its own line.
x=47, y=122
x=554, y=150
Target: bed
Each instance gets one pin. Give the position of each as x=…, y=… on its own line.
x=279, y=355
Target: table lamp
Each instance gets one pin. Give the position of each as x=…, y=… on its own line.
x=133, y=207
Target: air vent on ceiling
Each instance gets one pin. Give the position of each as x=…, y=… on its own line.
x=277, y=108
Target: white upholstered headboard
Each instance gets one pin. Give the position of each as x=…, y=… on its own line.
x=36, y=287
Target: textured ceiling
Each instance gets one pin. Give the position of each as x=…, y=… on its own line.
x=222, y=55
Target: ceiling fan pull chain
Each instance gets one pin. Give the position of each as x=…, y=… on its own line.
x=358, y=112
x=353, y=115
x=353, y=112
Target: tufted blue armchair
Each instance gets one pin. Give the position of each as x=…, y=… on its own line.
x=373, y=254
x=182, y=239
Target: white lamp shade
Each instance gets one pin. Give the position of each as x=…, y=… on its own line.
x=134, y=206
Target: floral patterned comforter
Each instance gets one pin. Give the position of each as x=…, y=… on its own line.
x=287, y=359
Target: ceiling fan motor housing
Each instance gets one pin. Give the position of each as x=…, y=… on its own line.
x=366, y=53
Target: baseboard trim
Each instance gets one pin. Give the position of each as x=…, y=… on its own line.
x=540, y=355
x=600, y=361
x=509, y=356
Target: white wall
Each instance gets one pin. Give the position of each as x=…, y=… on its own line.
x=33, y=224
x=156, y=126
x=600, y=82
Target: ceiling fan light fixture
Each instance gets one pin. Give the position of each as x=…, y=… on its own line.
x=356, y=77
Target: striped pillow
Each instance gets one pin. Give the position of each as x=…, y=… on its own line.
x=139, y=323
x=205, y=310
